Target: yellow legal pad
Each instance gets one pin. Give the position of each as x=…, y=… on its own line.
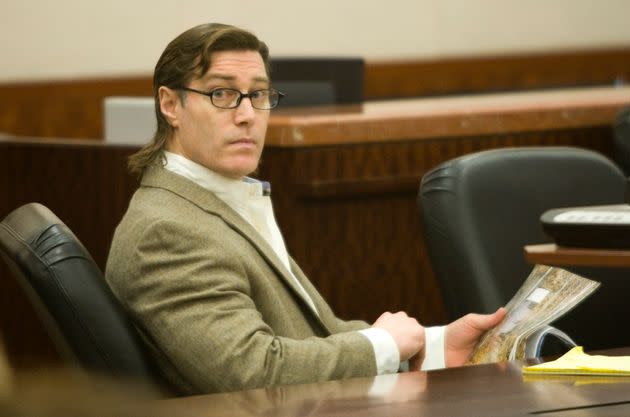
x=576, y=362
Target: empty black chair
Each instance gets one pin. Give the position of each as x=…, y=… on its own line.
x=479, y=210
x=621, y=137
x=69, y=293
x=310, y=81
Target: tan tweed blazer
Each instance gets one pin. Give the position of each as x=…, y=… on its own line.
x=213, y=302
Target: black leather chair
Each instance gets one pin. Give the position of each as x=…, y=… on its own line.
x=6, y=373
x=311, y=81
x=68, y=291
x=621, y=136
x=479, y=210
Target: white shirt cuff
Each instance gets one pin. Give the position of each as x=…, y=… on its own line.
x=385, y=350
x=434, y=348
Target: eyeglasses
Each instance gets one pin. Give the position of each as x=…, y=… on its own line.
x=230, y=98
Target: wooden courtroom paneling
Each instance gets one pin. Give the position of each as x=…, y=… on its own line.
x=346, y=207
x=86, y=185
x=349, y=215
x=413, y=78
x=480, y=114
x=73, y=109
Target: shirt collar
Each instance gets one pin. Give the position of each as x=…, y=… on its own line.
x=210, y=180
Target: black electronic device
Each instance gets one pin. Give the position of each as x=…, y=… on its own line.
x=604, y=227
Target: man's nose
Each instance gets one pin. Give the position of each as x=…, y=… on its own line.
x=244, y=112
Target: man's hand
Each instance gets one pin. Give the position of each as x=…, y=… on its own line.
x=463, y=334
x=406, y=331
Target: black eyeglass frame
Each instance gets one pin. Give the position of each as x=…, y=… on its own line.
x=241, y=95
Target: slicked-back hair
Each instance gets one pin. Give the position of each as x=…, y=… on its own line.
x=185, y=58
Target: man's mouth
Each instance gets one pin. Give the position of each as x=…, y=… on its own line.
x=243, y=141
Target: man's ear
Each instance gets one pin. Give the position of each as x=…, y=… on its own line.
x=169, y=104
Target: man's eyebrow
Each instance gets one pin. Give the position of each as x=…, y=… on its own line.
x=225, y=77
x=211, y=77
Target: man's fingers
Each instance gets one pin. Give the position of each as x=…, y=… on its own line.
x=407, y=333
x=484, y=322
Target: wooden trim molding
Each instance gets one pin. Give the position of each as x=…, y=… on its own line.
x=413, y=78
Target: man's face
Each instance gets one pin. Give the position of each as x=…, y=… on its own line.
x=226, y=141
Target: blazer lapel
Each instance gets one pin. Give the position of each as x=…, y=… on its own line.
x=156, y=176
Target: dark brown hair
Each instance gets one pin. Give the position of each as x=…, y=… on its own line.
x=186, y=57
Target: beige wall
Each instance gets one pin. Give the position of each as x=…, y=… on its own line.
x=42, y=39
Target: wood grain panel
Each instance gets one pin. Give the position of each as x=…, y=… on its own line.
x=73, y=109
x=85, y=185
x=461, y=75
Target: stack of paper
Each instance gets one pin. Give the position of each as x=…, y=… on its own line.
x=576, y=362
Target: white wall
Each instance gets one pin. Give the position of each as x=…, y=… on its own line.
x=61, y=39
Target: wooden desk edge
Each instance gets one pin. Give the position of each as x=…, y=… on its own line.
x=551, y=254
x=430, y=118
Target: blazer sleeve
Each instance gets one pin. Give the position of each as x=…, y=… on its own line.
x=189, y=291
x=351, y=325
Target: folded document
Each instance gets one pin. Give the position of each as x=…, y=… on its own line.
x=576, y=362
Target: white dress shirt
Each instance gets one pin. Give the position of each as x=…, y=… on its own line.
x=248, y=197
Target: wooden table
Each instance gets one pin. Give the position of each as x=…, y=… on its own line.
x=551, y=254
x=495, y=390
x=487, y=390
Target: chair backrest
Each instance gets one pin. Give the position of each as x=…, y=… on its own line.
x=69, y=293
x=6, y=374
x=621, y=137
x=479, y=210
x=310, y=81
